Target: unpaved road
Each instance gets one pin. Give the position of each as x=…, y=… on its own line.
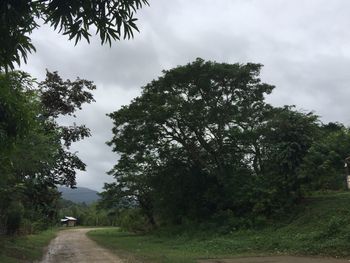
x=279, y=259
x=73, y=246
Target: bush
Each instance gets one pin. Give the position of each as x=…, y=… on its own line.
x=14, y=217
x=333, y=228
x=133, y=220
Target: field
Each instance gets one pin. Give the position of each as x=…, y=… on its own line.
x=25, y=248
x=320, y=227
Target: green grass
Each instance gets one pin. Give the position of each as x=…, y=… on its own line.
x=24, y=248
x=321, y=226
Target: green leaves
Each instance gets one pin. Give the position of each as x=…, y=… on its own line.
x=185, y=139
x=34, y=149
x=201, y=139
x=112, y=20
x=17, y=107
x=64, y=97
x=17, y=21
x=61, y=98
x=323, y=166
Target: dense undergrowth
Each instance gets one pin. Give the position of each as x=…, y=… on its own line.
x=319, y=226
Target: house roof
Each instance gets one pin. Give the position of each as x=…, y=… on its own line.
x=68, y=218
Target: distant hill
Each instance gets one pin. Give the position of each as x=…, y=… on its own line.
x=79, y=194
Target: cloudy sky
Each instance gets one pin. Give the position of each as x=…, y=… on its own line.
x=303, y=45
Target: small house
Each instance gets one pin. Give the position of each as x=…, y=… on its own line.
x=69, y=221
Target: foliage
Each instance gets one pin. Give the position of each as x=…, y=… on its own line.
x=132, y=220
x=318, y=227
x=285, y=140
x=28, y=248
x=323, y=166
x=15, y=213
x=112, y=20
x=87, y=215
x=201, y=140
x=17, y=116
x=15, y=106
x=64, y=98
x=34, y=153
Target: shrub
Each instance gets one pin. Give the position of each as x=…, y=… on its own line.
x=14, y=217
x=133, y=220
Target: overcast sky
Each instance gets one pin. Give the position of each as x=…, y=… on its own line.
x=303, y=45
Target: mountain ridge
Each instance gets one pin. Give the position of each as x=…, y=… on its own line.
x=79, y=195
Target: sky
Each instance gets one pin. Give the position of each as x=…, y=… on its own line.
x=303, y=45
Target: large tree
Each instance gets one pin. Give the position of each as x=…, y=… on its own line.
x=112, y=20
x=190, y=127
x=201, y=140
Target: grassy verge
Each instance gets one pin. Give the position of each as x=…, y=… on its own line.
x=321, y=227
x=24, y=248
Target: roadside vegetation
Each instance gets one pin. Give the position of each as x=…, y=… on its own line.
x=319, y=226
x=17, y=249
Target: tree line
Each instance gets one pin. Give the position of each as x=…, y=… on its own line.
x=201, y=142
x=87, y=214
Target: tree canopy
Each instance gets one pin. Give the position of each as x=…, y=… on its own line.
x=112, y=20
x=202, y=140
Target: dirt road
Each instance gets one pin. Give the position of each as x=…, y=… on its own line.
x=74, y=246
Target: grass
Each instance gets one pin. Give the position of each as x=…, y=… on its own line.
x=25, y=248
x=321, y=226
